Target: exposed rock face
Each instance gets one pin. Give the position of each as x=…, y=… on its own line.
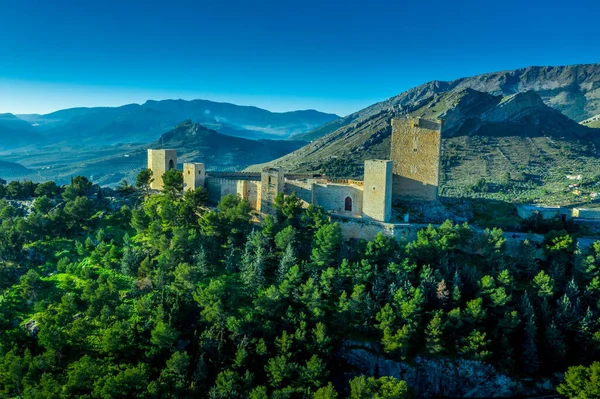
x=457, y=378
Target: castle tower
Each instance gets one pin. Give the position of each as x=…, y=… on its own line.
x=377, y=190
x=415, y=150
x=159, y=161
x=272, y=182
x=193, y=176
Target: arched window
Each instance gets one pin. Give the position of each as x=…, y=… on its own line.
x=171, y=164
x=348, y=204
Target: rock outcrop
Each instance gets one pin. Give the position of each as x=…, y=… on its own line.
x=451, y=378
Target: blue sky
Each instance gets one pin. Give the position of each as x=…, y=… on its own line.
x=334, y=56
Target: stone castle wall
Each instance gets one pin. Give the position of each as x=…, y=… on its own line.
x=586, y=213
x=377, y=190
x=367, y=229
x=303, y=190
x=159, y=161
x=415, y=151
x=250, y=191
x=272, y=183
x=333, y=197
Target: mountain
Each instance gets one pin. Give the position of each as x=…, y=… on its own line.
x=14, y=170
x=15, y=132
x=143, y=123
x=197, y=143
x=519, y=123
x=574, y=90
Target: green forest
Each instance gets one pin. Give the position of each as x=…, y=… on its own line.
x=130, y=294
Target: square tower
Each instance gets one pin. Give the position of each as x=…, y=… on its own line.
x=377, y=190
x=272, y=182
x=159, y=161
x=415, y=150
x=193, y=176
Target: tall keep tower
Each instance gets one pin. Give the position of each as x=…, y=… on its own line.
x=415, y=150
x=159, y=161
x=193, y=176
x=377, y=190
x=272, y=182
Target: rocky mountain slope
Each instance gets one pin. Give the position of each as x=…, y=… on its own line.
x=143, y=123
x=516, y=129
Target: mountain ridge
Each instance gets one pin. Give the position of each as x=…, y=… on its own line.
x=132, y=123
x=493, y=121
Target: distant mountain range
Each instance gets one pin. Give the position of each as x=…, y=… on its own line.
x=144, y=123
x=522, y=122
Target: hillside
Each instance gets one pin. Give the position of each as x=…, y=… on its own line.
x=593, y=122
x=574, y=90
x=15, y=132
x=12, y=169
x=143, y=123
x=520, y=145
x=195, y=142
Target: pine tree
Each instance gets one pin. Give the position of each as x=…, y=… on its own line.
x=530, y=359
x=287, y=261
x=434, y=334
x=555, y=344
x=252, y=271
x=456, y=287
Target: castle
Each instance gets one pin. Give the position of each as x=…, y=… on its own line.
x=411, y=173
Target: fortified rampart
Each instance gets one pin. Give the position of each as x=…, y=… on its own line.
x=370, y=199
x=345, y=199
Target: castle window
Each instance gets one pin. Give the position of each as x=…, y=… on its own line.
x=171, y=164
x=269, y=179
x=189, y=172
x=415, y=143
x=348, y=204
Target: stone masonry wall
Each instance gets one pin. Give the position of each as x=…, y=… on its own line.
x=377, y=190
x=332, y=197
x=250, y=191
x=272, y=183
x=193, y=176
x=159, y=161
x=586, y=213
x=302, y=189
x=415, y=151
